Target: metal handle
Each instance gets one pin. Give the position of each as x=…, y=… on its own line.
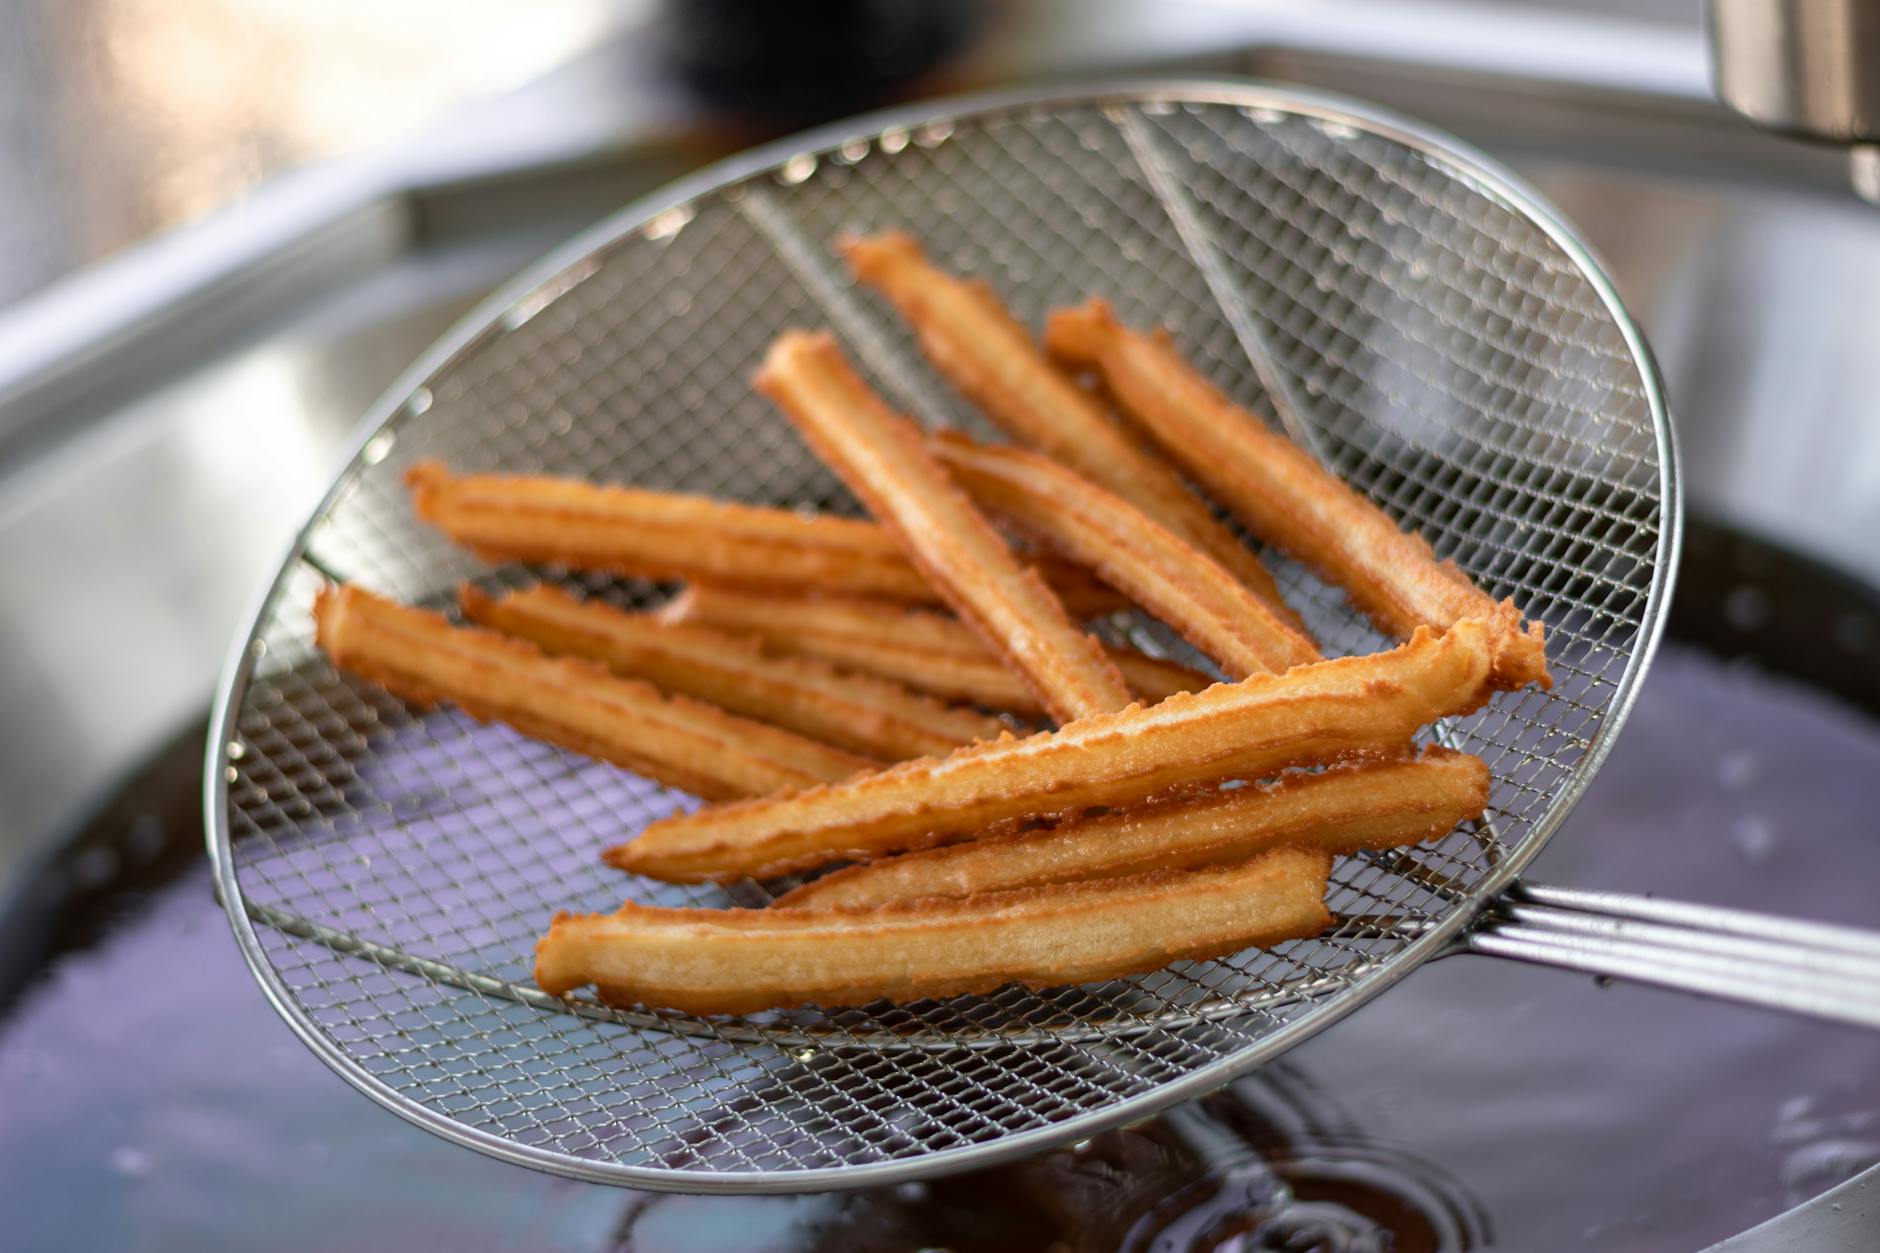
x=1805, y=967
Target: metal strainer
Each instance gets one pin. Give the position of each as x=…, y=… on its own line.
x=1408, y=310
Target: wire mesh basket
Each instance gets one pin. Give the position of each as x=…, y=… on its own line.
x=1406, y=311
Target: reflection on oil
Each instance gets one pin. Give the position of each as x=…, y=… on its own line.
x=1295, y=1172
x=1271, y=1163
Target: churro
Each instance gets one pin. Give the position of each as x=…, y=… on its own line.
x=713, y=961
x=670, y=535
x=1331, y=710
x=862, y=713
x=929, y=652
x=577, y=704
x=1283, y=495
x=884, y=461
x=1337, y=810
x=1132, y=552
x=975, y=342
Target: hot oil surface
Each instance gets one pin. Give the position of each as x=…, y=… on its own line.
x=1478, y=1104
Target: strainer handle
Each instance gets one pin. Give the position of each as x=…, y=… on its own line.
x=1811, y=968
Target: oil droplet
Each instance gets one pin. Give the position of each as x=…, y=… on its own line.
x=379, y=447
x=804, y=1054
x=1754, y=835
x=669, y=222
x=132, y=1163
x=1736, y=771
x=798, y=168
x=1746, y=608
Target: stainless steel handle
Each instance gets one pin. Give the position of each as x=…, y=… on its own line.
x=1809, y=67
x=1808, y=968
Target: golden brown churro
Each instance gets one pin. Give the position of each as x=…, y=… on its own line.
x=1324, y=712
x=973, y=340
x=1286, y=497
x=729, y=961
x=1130, y=551
x=577, y=704
x=885, y=462
x=668, y=535
x=929, y=652
x=1339, y=810
x=858, y=712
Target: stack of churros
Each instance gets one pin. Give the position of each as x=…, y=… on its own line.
x=860, y=700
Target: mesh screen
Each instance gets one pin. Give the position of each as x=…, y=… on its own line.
x=1433, y=343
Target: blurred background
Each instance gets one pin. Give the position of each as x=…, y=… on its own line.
x=121, y=119
x=225, y=227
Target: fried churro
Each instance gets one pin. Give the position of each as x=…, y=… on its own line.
x=669, y=535
x=577, y=704
x=728, y=961
x=1338, y=810
x=1282, y=494
x=929, y=652
x=862, y=713
x=975, y=342
x=1130, y=551
x=1331, y=710
x=884, y=461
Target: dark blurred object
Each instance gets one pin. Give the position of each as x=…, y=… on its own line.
x=1807, y=68
x=797, y=62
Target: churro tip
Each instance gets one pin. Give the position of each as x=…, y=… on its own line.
x=549, y=974
x=329, y=613
x=473, y=599
x=429, y=473
x=865, y=253
x=1075, y=333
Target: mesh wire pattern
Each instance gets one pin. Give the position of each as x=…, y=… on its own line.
x=1405, y=310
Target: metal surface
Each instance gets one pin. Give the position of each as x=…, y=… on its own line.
x=1841, y=1220
x=1808, y=67
x=1806, y=968
x=1455, y=354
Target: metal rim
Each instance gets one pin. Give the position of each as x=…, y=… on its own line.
x=1439, y=940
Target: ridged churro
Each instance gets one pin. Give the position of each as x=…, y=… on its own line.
x=670, y=535
x=976, y=343
x=577, y=704
x=861, y=713
x=1132, y=552
x=929, y=652
x=1330, y=710
x=1337, y=810
x=1283, y=495
x=885, y=462
x=722, y=961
